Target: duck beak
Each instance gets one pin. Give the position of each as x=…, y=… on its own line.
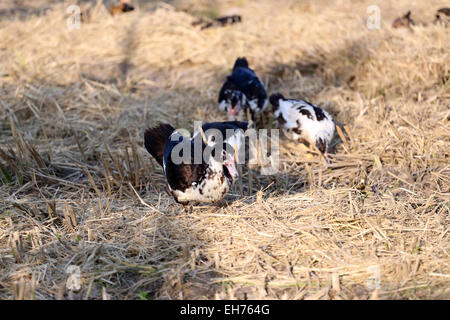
x=230, y=163
x=233, y=111
x=325, y=156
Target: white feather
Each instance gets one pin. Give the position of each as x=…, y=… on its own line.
x=253, y=104
x=264, y=105
x=223, y=105
x=213, y=187
x=311, y=129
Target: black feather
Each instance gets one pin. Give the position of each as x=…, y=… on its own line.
x=223, y=126
x=181, y=176
x=155, y=140
x=275, y=99
x=241, y=62
x=243, y=82
x=248, y=83
x=227, y=90
x=445, y=11
x=243, y=77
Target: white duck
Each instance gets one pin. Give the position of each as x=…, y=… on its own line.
x=300, y=119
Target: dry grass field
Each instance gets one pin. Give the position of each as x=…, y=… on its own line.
x=77, y=187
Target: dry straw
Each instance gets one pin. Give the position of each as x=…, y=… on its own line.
x=78, y=189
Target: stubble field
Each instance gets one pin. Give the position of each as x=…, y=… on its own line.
x=78, y=188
